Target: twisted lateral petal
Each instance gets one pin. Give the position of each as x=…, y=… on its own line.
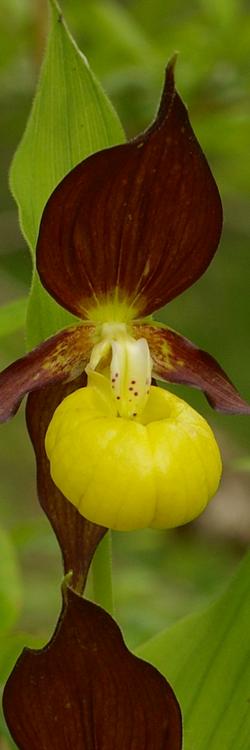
x=77, y=537
x=178, y=360
x=61, y=358
x=86, y=691
x=135, y=224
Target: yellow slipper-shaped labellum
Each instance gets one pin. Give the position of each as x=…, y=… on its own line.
x=158, y=470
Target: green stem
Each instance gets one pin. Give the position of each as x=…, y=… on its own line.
x=102, y=574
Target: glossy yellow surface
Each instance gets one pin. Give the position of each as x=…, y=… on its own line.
x=159, y=470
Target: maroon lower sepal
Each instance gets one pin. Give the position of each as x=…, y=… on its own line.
x=77, y=537
x=86, y=691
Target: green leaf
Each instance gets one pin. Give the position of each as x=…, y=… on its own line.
x=12, y=316
x=71, y=118
x=114, y=37
x=10, y=585
x=206, y=659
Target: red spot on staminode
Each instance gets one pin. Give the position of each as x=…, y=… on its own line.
x=130, y=388
x=118, y=398
x=116, y=374
x=136, y=393
x=113, y=380
x=133, y=382
x=135, y=414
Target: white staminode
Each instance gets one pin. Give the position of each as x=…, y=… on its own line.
x=130, y=368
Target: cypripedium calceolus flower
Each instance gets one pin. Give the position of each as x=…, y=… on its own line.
x=125, y=232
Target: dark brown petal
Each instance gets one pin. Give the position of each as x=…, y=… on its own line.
x=140, y=221
x=86, y=691
x=177, y=360
x=77, y=537
x=60, y=358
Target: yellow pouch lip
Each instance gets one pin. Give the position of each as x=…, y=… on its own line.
x=158, y=470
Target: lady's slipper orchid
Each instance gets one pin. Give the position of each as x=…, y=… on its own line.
x=125, y=232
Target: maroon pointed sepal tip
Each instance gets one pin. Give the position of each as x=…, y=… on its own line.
x=142, y=219
x=85, y=690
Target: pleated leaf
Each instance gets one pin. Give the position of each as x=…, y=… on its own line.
x=71, y=118
x=206, y=659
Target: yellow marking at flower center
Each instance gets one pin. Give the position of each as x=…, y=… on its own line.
x=114, y=309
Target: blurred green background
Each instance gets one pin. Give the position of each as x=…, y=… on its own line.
x=158, y=577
